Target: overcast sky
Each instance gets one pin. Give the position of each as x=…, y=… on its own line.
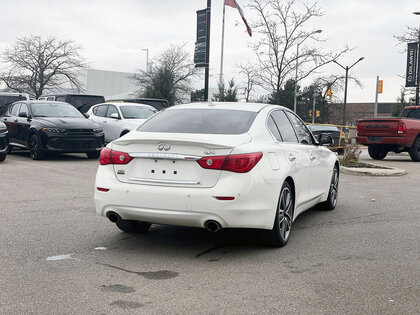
x=112, y=34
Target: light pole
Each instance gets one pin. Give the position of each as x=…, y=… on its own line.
x=147, y=58
x=418, y=67
x=347, y=68
x=297, y=64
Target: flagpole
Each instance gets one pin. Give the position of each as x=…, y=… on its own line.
x=223, y=44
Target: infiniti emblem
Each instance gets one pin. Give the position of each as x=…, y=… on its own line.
x=164, y=146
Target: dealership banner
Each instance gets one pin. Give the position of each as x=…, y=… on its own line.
x=411, y=73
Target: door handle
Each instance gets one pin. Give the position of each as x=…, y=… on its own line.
x=104, y=121
x=16, y=120
x=292, y=157
x=5, y=119
x=312, y=157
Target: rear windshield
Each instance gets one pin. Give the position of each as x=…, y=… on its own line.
x=201, y=121
x=411, y=113
x=84, y=102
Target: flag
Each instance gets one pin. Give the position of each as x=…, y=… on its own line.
x=234, y=4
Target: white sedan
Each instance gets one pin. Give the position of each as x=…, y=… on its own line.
x=217, y=165
x=117, y=119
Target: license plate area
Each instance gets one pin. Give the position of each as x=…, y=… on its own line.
x=375, y=139
x=165, y=169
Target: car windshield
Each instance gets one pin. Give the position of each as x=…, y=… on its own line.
x=55, y=110
x=200, y=121
x=136, y=112
x=322, y=128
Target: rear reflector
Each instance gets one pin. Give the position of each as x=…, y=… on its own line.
x=109, y=156
x=239, y=163
x=225, y=198
x=102, y=189
x=402, y=128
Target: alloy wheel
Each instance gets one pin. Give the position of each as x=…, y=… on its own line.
x=334, y=187
x=285, y=213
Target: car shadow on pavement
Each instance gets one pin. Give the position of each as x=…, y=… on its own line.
x=52, y=156
x=200, y=243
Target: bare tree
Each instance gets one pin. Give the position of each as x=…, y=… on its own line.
x=411, y=34
x=281, y=27
x=33, y=65
x=170, y=77
x=249, y=72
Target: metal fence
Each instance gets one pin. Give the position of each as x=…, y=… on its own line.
x=350, y=134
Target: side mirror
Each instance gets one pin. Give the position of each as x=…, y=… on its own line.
x=325, y=140
x=86, y=115
x=23, y=114
x=115, y=116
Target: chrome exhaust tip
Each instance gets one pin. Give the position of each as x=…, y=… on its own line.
x=212, y=226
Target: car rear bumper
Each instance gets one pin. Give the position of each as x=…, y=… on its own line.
x=254, y=205
x=397, y=141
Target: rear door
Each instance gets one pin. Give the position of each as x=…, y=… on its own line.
x=11, y=121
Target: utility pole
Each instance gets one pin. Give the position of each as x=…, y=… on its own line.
x=206, y=71
x=375, y=113
x=347, y=68
x=147, y=58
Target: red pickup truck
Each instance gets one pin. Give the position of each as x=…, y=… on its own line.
x=383, y=135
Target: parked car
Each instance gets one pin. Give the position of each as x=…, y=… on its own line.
x=383, y=135
x=4, y=142
x=81, y=101
x=7, y=98
x=159, y=104
x=118, y=119
x=339, y=138
x=217, y=165
x=43, y=127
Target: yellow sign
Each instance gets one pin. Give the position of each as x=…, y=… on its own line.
x=380, y=86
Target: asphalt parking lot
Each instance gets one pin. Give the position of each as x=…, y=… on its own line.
x=58, y=257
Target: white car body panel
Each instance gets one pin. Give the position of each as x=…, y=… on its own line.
x=191, y=201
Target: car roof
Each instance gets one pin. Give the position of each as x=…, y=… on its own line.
x=124, y=104
x=252, y=107
x=44, y=102
x=13, y=93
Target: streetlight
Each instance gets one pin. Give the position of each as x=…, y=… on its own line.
x=147, y=58
x=297, y=63
x=347, y=68
x=418, y=66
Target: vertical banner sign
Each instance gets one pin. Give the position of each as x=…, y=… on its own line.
x=200, y=51
x=411, y=73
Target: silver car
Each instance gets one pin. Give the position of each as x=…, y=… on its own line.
x=117, y=119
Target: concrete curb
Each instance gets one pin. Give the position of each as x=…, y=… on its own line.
x=364, y=171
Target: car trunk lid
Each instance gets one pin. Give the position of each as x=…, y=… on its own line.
x=168, y=159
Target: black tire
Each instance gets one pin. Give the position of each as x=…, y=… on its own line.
x=131, y=226
x=376, y=152
x=35, y=148
x=280, y=233
x=3, y=156
x=331, y=202
x=93, y=155
x=415, y=150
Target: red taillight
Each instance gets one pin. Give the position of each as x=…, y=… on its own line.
x=102, y=189
x=357, y=128
x=342, y=134
x=402, y=128
x=109, y=156
x=240, y=163
x=225, y=198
